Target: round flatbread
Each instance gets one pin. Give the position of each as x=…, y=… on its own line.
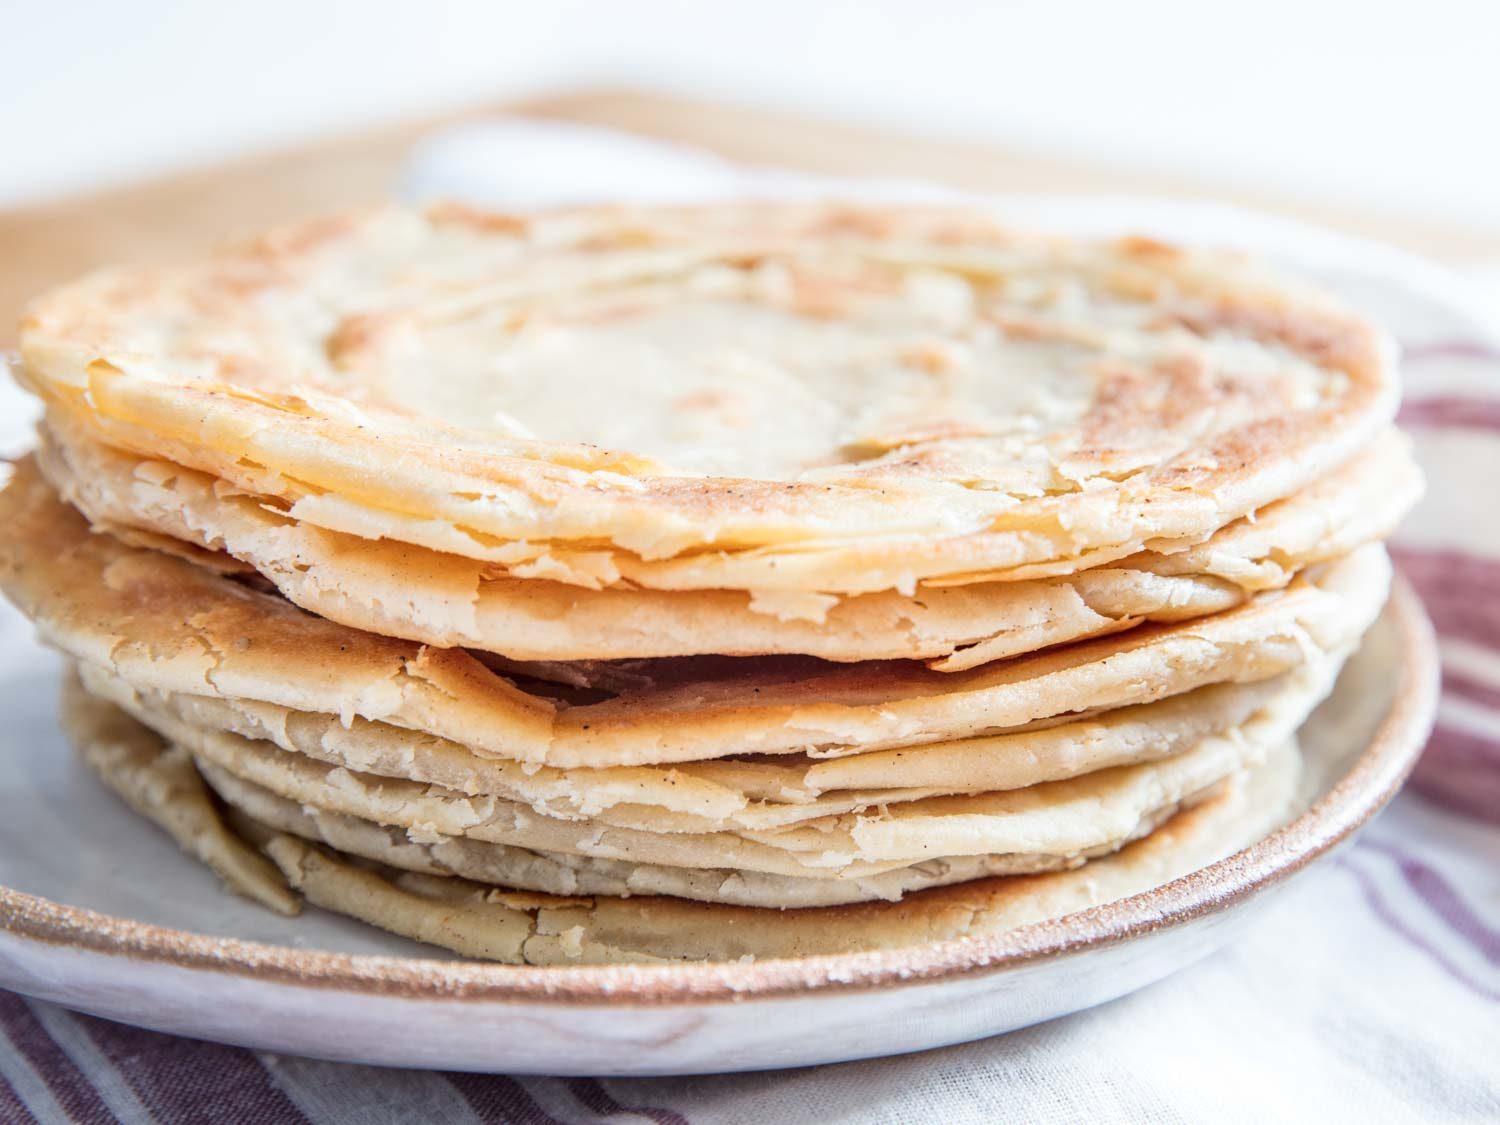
x=1232, y=814
x=165, y=624
x=558, y=873
x=161, y=783
x=732, y=795
x=475, y=920
x=1066, y=819
x=399, y=590
x=757, y=397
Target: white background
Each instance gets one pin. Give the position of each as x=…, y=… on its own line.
x=1390, y=105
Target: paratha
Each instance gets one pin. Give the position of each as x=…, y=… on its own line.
x=165, y=624
x=479, y=920
x=721, y=795
x=161, y=783
x=1066, y=818
x=642, y=929
x=801, y=397
x=449, y=600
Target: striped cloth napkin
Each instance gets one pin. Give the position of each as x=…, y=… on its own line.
x=1369, y=991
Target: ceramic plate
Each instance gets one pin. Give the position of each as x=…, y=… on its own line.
x=100, y=912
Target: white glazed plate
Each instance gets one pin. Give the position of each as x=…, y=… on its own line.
x=100, y=912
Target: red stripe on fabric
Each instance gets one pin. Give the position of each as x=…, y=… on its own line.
x=188, y=1081
x=1432, y=563
x=12, y=1108
x=1461, y=772
x=1464, y=686
x=1449, y=349
x=495, y=1098
x=1433, y=888
x=593, y=1096
x=1399, y=926
x=1451, y=412
x=68, y=1084
x=1460, y=590
x=1467, y=792
x=1462, y=748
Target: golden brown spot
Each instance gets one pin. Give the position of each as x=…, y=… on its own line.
x=492, y=222
x=933, y=435
x=1135, y=284
x=866, y=223
x=621, y=238
x=822, y=302
x=1019, y=326
x=1338, y=343
x=746, y=261
x=934, y=357
x=1139, y=246
x=299, y=240
x=1138, y=405
x=356, y=336
x=726, y=404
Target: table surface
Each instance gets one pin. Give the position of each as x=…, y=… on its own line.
x=48, y=243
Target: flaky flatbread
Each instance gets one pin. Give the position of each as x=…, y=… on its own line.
x=803, y=397
x=164, y=624
x=395, y=589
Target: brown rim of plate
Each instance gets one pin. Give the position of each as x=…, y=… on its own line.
x=1369, y=784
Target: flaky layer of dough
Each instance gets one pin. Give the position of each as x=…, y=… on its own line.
x=518, y=926
x=165, y=624
x=399, y=590
x=755, y=397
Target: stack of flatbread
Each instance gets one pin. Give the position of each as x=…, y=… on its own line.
x=700, y=583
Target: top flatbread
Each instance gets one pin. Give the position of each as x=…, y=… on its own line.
x=755, y=397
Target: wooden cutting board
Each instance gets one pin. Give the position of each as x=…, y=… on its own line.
x=47, y=243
